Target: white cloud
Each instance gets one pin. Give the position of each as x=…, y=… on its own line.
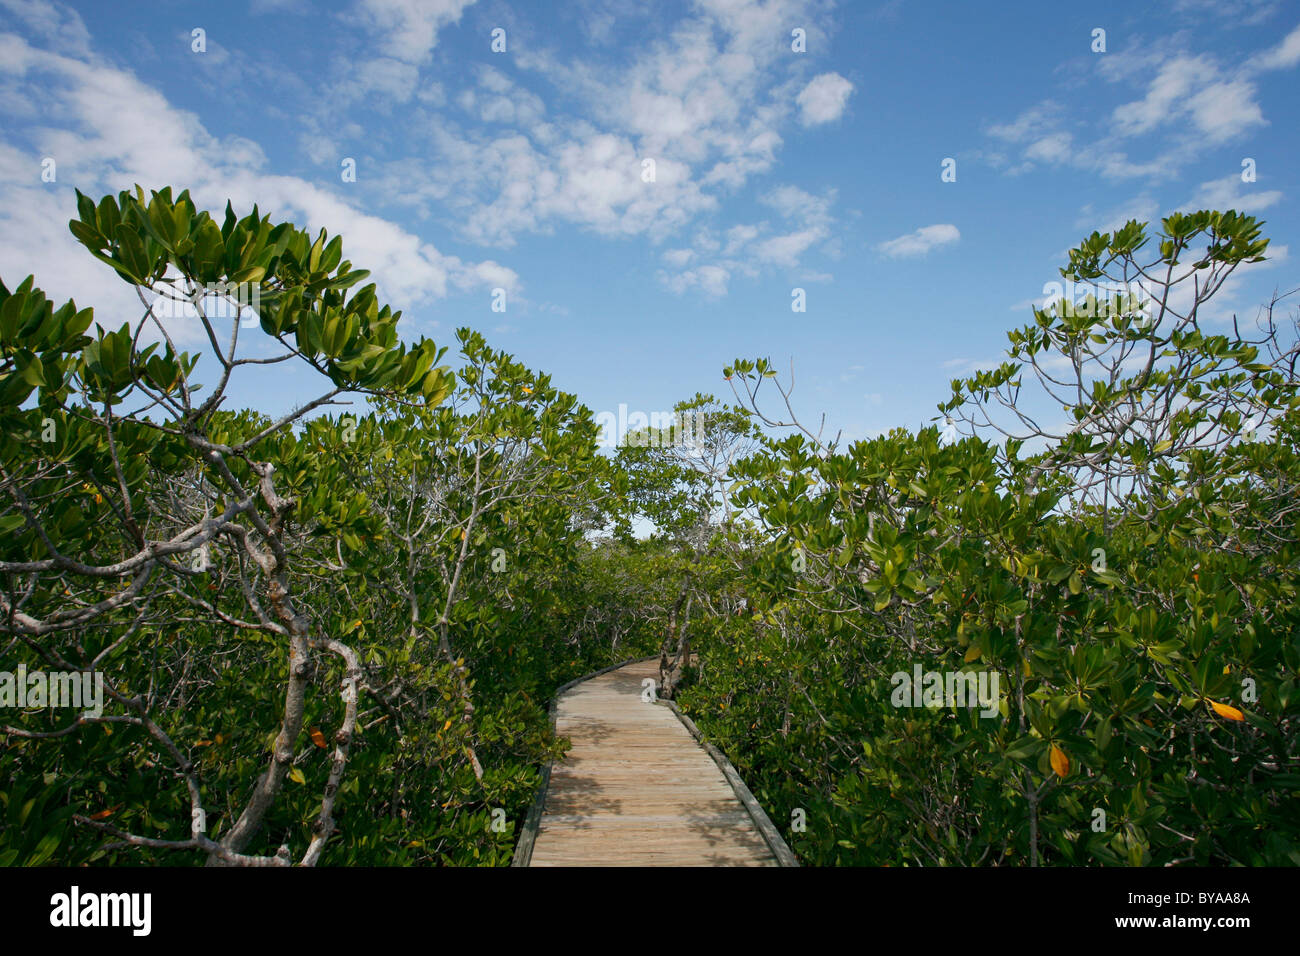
x=1143, y=208
x=1053, y=148
x=408, y=29
x=823, y=100
x=1192, y=88
x=799, y=205
x=1032, y=123
x=1231, y=193
x=751, y=247
x=1225, y=110
x=499, y=100
x=785, y=250
x=259, y=7
x=405, y=33
x=740, y=236
x=406, y=269
x=507, y=184
x=386, y=75
x=1191, y=100
x=712, y=280
x=319, y=148
x=712, y=89
x=920, y=242
x=1117, y=165
x=1166, y=95
x=968, y=366
x=1231, y=12
x=705, y=100
x=99, y=148
x=1038, y=131
x=1227, y=300
x=811, y=213
x=707, y=97
x=1283, y=56
x=58, y=26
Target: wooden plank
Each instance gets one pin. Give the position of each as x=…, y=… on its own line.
x=638, y=788
x=771, y=836
x=524, y=848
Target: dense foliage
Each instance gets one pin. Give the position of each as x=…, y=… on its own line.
x=333, y=637
x=344, y=627
x=1132, y=585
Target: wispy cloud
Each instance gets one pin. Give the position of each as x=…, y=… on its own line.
x=921, y=241
x=1187, y=102
x=1192, y=89
x=1143, y=208
x=752, y=247
x=407, y=30
x=1231, y=193
x=1281, y=57
x=98, y=145
x=706, y=104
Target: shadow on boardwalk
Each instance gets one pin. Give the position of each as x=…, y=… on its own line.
x=636, y=788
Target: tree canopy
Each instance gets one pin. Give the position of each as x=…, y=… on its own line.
x=331, y=636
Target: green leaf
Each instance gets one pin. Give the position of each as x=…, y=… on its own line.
x=131, y=260
x=88, y=236
x=30, y=369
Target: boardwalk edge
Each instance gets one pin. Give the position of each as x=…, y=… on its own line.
x=771, y=836
x=528, y=835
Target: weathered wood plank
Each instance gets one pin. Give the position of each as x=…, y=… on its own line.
x=638, y=789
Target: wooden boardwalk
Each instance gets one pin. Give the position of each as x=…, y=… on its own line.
x=638, y=789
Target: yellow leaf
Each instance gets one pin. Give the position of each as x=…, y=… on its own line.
x=317, y=738
x=1226, y=712
x=296, y=776
x=972, y=654
x=1060, y=762
x=447, y=724
x=220, y=739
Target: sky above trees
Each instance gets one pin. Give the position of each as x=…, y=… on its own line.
x=642, y=188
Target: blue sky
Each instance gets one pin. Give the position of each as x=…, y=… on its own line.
x=773, y=169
